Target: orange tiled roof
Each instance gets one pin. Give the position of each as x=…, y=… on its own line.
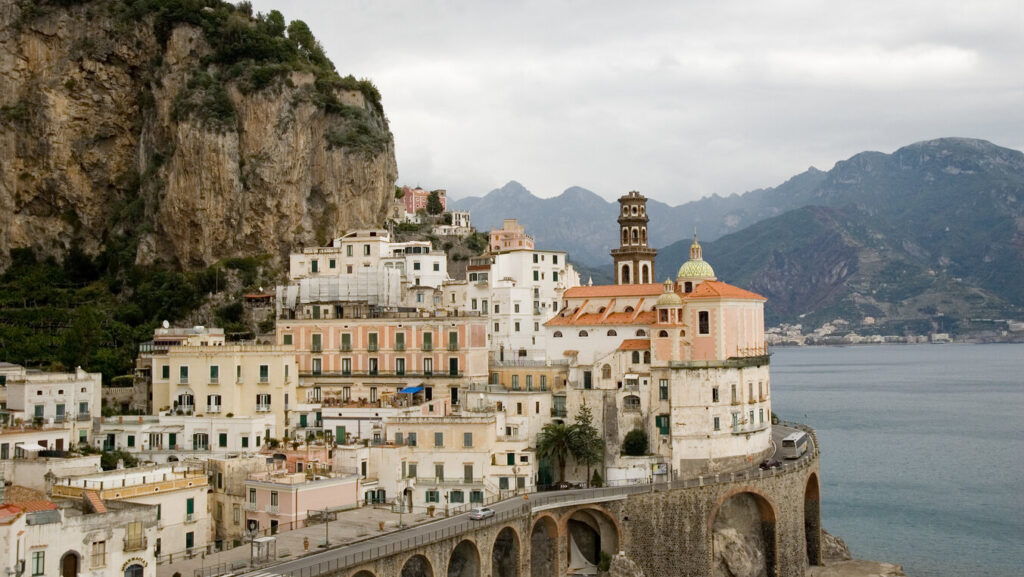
x=22, y=494
x=95, y=502
x=635, y=345
x=592, y=319
x=33, y=506
x=718, y=289
x=615, y=290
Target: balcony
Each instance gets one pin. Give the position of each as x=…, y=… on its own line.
x=264, y=380
x=372, y=347
x=435, y=481
x=428, y=347
x=250, y=506
x=190, y=517
x=182, y=380
x=346, y=347
x=736, y=401
x=400, y=347
x=83, y=416
x=742, y=428
x=186, y=409
x=135, y=544
x=60, y=419
x=262, y=408
x=453, y=346
x=214, y=381
x=558, y=412
x=316, y=348
x=273, y=509
x=212, y=408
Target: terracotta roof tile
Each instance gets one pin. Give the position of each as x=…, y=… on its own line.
x=22, y=494
x=95, y=502
x=718, y=289
x=635, y=345
x=615, y=290
x=594, y=319
x=33, y=506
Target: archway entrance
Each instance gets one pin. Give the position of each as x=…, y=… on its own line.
x=465, y=561
x=69, y=564
x=543, y=548
x=590, y=532
x=743, y=535
x=133, y=571
x=505, y=554
x=417, y=566
x=364, y=574
x=812, y=520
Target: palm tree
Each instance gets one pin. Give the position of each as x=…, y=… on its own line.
x=555, y=442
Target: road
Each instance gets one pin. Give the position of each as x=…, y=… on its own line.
x=348, y=555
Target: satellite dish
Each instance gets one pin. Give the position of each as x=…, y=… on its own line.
x=167, y=325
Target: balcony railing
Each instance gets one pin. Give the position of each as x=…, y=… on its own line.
x=449, y=481
x=190, y=517
x=346, y=348
x=135, y=544
x=273, y=509
x=428, y=346
x=264, y=380
x=84, y=416
x=316, y=348
x=372, y=347
x=558, y=412
x=262, y=408
x=214, y=381
x=182, y=380
x=250, y=506
x=385, y=373
x=60, y=418
x=400, y=347
x=213, y=408
x=453, y=346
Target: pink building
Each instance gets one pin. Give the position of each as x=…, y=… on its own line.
x=278, y=501
x=301, y=459
x=511, y=236
x=416, y=199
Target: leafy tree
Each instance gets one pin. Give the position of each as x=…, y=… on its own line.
x=636, y=443
x=587, y=445
x=434, y=205
x=597, y=480
x=109, y=459
x=555, y=442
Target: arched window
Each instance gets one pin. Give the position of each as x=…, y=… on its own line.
x=636, y=357
x=633, y=209
x=663, y=316
x=625, y=235
x=612, y=333
x=641, y=333
x=682, y=333
x=584, y=334
x=636, y=235
x=645, y=274
x=631, y=403
x=643, y=234
x=663, y=334
x=133, y=571
x=606, y=372
x=628, y=309
x=647, y=357
x=625, y=274
x=557, y=335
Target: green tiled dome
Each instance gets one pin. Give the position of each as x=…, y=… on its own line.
x=669, y=299
x=696, y=268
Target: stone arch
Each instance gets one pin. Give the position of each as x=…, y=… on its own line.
x=544, y=540
x=812, y=519
x=464, y=560
x=636, y=357
x=625, y=235
x=663, y=334
x=625, y=273
x=417, y=566
x=505, y=554
x=70, y=564
x=743, y=522
x=364, y=573
x=645, y=274
x=606, y=371
x=590, y=531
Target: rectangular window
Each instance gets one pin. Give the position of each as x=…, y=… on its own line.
x=38, y=562
x=529, y=382
x=437, y=267
x=519, y=408
x=428, y=367
x=587, y=380
x=453, y=341
x=172, y=440
x=332, y=263
x=214, y=374
x=131, y=440
x=346, y=342
x=439, y=471
x=183, y=374
x=190, y=506
x=439, y=439
x=714, y=394
x=663, y=390
x=703, y=323
x=314, y=266
x=400, y=342
x=245, y=441
x=467, y=439
x=476, y=496
x=318, y=343
x=373, y=394
x=503, y=483
x=516, y=326
x=456, y=497
x=236, y=513
x=412, y=470
x=373, y=366
x=662, y=422
x=412, y=443
x=346, y=367
x=366, y=250
x=287, y=339
x=718, y=426
x=190, y=540
x=399, y=367
x=373, y=343
x=222, y=440
x=165, y=372
x=428, y=341
x=472, y=304
x=432, y=497
x=264, y=373
x=273, y=498
x=467, y=473
x=543, y=382
x=536, y=275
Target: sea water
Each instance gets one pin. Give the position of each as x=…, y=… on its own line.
x=922, y=450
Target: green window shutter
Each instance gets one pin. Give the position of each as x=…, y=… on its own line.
x=510, y=459
x=172, y=440
x=190, y=506
x=223, y=440
x=302, y=421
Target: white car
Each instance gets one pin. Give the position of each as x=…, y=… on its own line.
x=481, y=513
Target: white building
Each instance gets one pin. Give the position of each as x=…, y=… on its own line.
x=61, y=400
x=160, y=438
x=179, y=495
x=460, y=225
x=89, y=538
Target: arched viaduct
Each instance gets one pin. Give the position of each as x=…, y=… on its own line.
x=667, y=530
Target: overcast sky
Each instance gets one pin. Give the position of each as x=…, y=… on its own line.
x=676, y=99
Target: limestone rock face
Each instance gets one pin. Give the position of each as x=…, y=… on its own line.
x=738, y=544
x=623, y=566
x=834, y=548
x=92, y=147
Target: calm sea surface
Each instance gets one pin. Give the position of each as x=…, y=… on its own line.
x=922, y=450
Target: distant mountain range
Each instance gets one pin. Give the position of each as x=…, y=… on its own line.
x=920, y=240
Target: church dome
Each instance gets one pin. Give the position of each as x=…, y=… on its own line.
x=670, y=299
x=696, y=267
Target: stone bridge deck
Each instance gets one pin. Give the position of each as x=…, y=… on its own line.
x=665, y=528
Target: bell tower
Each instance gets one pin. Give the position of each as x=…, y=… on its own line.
x=634, y=260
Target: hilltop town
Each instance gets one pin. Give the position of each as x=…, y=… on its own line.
x=386, y=383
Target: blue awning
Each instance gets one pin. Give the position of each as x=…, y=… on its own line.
x=411, y=390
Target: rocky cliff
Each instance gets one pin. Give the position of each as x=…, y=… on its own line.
x=182, y=131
